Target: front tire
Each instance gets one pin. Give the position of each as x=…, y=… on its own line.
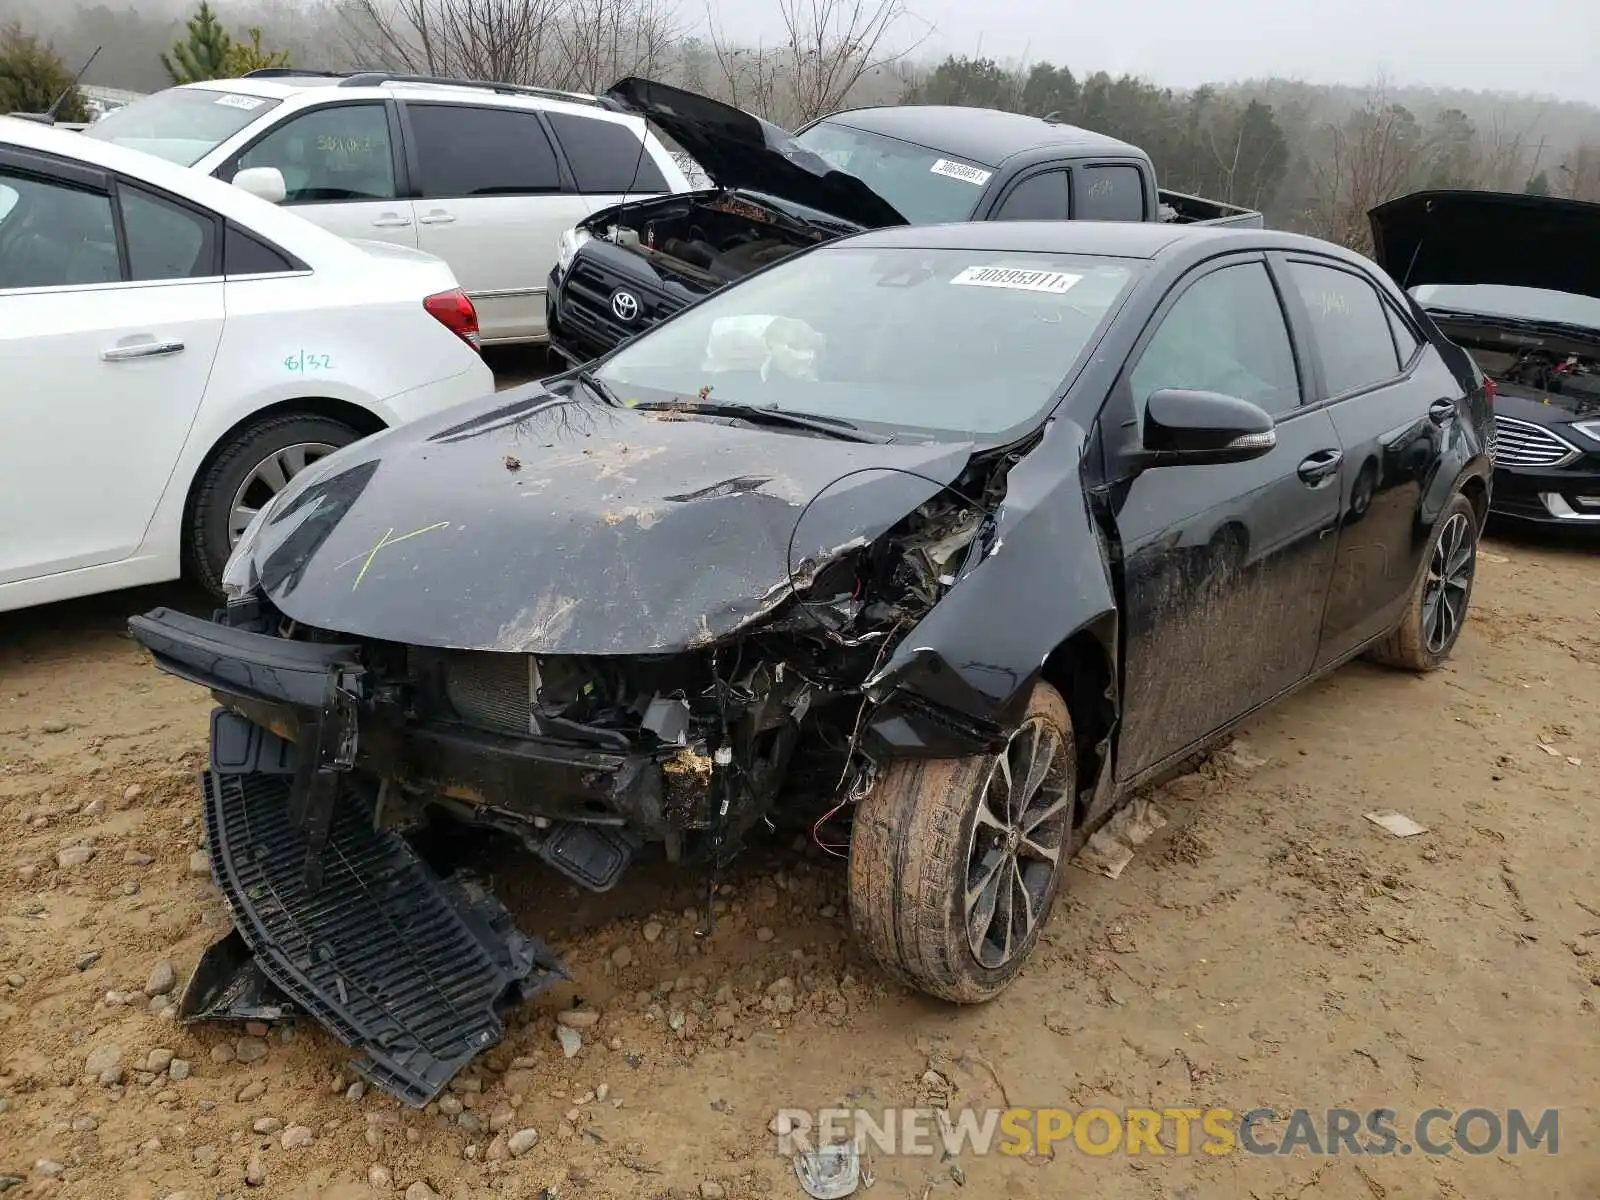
x=253, y=465
x=1438, y=606
x=955, y=863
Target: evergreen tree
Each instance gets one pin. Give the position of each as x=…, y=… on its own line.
x=32, y=75
x=247, y=56
x=205, y=54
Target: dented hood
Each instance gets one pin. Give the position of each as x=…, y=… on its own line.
x=538, y=523
x=739, y=150
x=1499, y=238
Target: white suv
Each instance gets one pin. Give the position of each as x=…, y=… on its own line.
x=486, y=176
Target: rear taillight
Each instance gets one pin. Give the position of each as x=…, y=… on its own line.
x=454, y=311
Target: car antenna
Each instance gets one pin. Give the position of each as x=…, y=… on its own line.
x=48, y=116
x=638, y=163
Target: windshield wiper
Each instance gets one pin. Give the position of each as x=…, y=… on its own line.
x=591, y=381
x=835, y=427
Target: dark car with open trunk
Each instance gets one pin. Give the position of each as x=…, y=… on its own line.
x=946, y=585
x=629, y=266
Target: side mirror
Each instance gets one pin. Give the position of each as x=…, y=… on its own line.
x=265, y=183
x=1195, y=428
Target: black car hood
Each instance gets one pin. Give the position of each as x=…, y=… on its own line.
x=1489, y=237
x=739, y=150
x=533, y=522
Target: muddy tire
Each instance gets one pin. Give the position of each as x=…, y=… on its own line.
x=933, y=834
x=1437, y=609
x=245, y=472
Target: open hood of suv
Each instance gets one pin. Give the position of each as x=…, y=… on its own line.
x=1489, y=237
x=739, y=150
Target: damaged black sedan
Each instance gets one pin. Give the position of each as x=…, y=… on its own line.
x=941, y=540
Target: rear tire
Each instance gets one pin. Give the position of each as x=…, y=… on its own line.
x=1437, y=609
x=245, y=472
x=931, y=834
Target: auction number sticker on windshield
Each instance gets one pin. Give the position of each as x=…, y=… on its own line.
x=1020, y=279
x=245, y=102
x=976, y=176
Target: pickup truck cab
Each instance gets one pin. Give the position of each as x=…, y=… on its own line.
x=629, y=266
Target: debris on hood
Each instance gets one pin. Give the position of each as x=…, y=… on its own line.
x=1512, y=240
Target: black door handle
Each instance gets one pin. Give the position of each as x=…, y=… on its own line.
x=1320, y=466
x=1442, y=410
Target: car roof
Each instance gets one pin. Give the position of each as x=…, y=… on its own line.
x=980, y=135
x=293, y=233
x=351, y=87
x=1114, y=239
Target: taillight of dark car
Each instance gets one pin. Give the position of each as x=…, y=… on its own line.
x=453, y=310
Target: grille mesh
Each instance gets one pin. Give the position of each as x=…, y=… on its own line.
x=1523, y=444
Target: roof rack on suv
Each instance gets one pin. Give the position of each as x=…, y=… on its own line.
x=290, y=73
x=377, y=78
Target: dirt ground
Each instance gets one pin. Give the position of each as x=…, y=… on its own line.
x=1268, y=948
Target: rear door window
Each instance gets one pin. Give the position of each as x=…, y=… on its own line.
x=605, y=156
x=467, y=151
x=1108, y=193
x=53, y=235
x=1041, y=197
x=1350, y=324
x=337, y=152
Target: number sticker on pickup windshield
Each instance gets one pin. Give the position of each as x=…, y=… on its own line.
x=230, y=100
x=976, y=176
x=1021, y=279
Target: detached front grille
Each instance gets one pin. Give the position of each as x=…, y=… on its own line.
x=1524, y=444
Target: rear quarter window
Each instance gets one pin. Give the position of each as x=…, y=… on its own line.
x=606, y=157
x=1109, y=193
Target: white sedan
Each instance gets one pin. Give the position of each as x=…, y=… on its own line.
x=173, y=350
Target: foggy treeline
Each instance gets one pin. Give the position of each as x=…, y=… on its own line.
x=1312, y=157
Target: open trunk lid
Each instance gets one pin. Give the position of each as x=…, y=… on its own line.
x=1503, y=238
x=740, y=150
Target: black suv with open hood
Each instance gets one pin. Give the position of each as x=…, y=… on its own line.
x=1515, y=280
x=627, y=267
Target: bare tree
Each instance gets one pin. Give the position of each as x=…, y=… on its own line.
x=468, y=39
x=828, y=48
x=599, y=41
x=1372, y=156
x=834, y=44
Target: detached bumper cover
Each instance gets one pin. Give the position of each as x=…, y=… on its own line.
x=340, y=917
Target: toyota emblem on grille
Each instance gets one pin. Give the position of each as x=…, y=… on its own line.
x=625, y=305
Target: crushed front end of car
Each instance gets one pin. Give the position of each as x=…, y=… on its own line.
x=597, y=631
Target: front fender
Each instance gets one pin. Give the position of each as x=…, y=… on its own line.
x=959, y=681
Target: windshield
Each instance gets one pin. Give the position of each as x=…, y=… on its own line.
x=926, y=187
x=1529, y=304
x=181, y=125
x=951, y=342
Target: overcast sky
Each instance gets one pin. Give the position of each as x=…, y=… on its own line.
x=1549, y=47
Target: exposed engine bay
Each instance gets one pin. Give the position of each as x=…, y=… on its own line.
x=718, y=239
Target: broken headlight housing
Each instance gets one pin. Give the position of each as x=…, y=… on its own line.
x=239, y=575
